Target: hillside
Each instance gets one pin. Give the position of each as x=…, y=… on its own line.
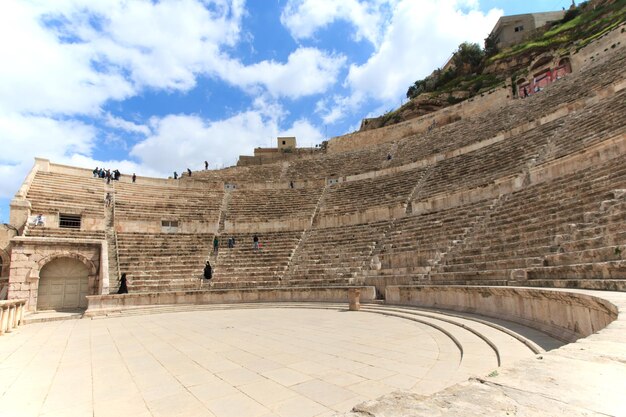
x=473, y=71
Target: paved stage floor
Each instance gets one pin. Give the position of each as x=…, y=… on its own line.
x=224, y=363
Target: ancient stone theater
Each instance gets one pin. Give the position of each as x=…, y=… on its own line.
x=470, y=261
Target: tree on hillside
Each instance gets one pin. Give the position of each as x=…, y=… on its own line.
x=491, y=47
x=468, y=58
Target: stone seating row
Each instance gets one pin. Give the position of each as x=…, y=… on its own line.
x=37, y=231
x=242, y=264
x=388, y=190
x=270, y=172
x=139, y=202
x=272, y=204
x=52, y=192
x=336, y=252
x=159, y=261
x=537, y=230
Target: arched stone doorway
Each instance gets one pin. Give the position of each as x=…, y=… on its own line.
x=63, y=285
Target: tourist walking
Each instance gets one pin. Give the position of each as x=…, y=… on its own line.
x=255, y=242
x=189, y=172
x=175, y=175
x=231, y=242
x=134, y=177
x=208, y=271
x=107, y=200
x=123, y=285
x=216, y=244
x=206, y=165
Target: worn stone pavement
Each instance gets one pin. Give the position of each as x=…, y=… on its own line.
x=259, y=362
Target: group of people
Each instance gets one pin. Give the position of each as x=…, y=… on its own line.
x=176, y=176
x=107, y=174
x=231, y=243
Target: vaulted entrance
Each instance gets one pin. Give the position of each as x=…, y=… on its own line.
x=63, y=285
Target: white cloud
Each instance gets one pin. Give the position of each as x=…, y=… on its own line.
x=306, y=134
x=305, y=17
x=307, y=71
x=126, y=125
x=419, y=38
x=178, y=139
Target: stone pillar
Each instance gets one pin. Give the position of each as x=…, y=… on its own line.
x=10, y=318
x=354, y=295
x=3, y=318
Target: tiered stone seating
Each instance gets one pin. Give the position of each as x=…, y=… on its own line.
x=248, y=206
x=414, y=243
x=144, y=201
x=65, y=193
x=243, y=266
x=554, y=231
x=335, y=255
x=590, y=126
x=353, y=196
x=514, y=114
x=162, y=261
x=65, y=233
x=339, y=164
x=483, y=166
x=240, y=174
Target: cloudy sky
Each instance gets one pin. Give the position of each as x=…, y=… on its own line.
x=156, y=86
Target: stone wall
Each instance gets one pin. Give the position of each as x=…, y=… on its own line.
x=30, y=255
x=103, y=304
x=564, y=314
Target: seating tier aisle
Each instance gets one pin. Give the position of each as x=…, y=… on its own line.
x=335, y=255
x=243, y=266
x=248, y=206
x=414, y=243
x=52, y=192
x=389, y=190
x=162, y=261
x=568, y=229
x=143, y=201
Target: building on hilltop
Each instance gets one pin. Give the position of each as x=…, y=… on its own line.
x=510, y=30
x=286, y=149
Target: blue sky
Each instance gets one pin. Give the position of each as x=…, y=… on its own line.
x=156, y=86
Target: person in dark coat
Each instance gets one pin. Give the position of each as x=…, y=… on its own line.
x=123, y=285
x=175, y=175
x=134, y=177
x=208, y=271
x=216, y=244
x=189, y=172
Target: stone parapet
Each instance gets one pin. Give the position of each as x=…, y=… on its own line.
x=567, y=315
x=104, y=304
x=583, y=378
x=11, y=314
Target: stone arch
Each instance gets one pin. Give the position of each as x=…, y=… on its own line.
x=63, y=284
x=566, y=63
x=91, y=267
x=541, y=61
x=5, y=263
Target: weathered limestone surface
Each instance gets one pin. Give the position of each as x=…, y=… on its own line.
x=584, y=378
x=102, y=304
x=30, y=255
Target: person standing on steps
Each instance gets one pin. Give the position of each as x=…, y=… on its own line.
x=189, y=172
x=123, y=285
x=208, y=271
x=216, y=245
x=107, y=200
x=231, y=242
x=175, y=175
x=134, y=177
x=255, y=242
x=206, y=165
